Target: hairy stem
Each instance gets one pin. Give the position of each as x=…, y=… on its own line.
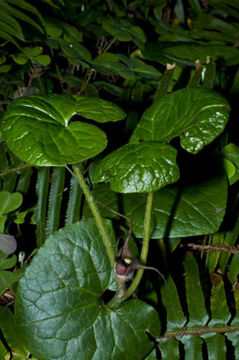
x=143, y=256
x=96, y=214
x=198, y=332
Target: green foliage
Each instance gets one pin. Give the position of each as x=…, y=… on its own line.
x=73, y=271
x=7, y=278
x=138, y=168
x=120, y=111
x=46, y=128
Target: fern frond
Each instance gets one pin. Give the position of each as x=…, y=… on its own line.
x=201, y=328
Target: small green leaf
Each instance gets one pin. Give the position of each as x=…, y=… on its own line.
x=20, y=59
x=197, y=115
x=5, y=68
x=9, y=202
x=53, y=27
x=43, y=60
x=32, y=52
x=138, y=167
x=59, y=302
x=7, y=262
x=38, y=130
x=7, y=279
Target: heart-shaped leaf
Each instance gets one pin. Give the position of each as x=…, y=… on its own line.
x=38, y=130
x=138, y=167
x=59, y=302
x=9, y=202
x=197, y=115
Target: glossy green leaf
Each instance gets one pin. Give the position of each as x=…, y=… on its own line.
x=38, y=129
x=9, y=202
x=198, y=315
x=59, y=302
x=197, y=115
x=138, y=167
x=220, y=314
x=180, y=211
x=231, y=158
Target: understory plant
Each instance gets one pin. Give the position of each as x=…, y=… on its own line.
x=119, y=181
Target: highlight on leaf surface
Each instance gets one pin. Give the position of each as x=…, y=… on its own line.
x=138, y=167
x=39, y=130
x=196, y=115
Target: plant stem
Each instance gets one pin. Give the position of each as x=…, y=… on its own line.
x=17, y=168
x=96, y=214
x=143, y=256
x=198, y=332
